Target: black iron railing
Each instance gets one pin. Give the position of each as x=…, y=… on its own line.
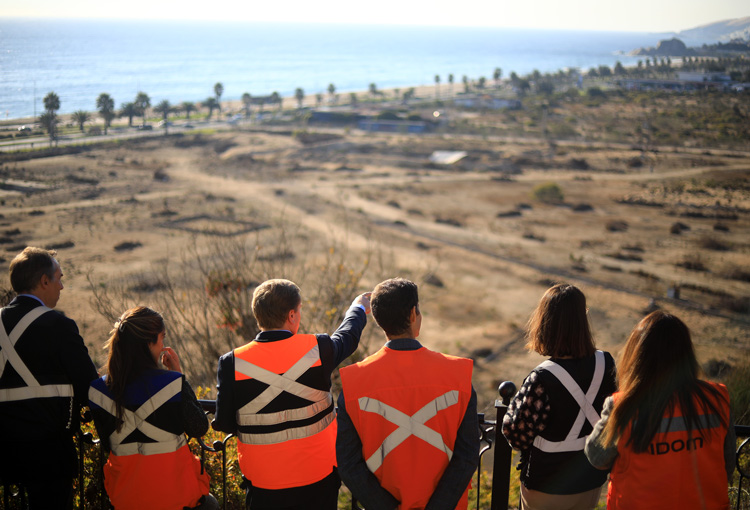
x=490, y=436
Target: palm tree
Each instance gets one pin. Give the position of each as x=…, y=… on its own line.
x=465, y=80
x=437, y=85
x=164, y=107
x=51, y=102
x=373, y=89
x=332, y=91
x=276, y=99
x=450, y=81
x=247, y=101
x=106, y=106
x=187, y=107
x=496, y=75
x=299, y=95
x=48, y=120
x=353, y=97
x=218, y=91
x=128, y=110
x=142, y=103
x=318, y=99
x=211, y=104
x=81, y=117
x=482, y=82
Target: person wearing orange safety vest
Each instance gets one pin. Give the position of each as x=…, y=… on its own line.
x=45, y=371
x=408, y=428
x=142, y=414
x=274, y=394
x=667, y=436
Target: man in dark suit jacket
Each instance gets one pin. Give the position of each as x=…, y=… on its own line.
x=45, y=371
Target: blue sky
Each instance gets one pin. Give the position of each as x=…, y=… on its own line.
x=632, y=15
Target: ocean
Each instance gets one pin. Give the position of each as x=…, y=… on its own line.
x=181, y=61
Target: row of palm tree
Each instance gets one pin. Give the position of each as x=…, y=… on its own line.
x=105, y=104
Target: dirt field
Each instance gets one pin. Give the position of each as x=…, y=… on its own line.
x=481, y=246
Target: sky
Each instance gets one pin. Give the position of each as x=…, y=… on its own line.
x=631, y=15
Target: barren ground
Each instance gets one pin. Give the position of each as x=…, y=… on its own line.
x=481, y=247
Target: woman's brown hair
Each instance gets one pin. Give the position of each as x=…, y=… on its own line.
x=658, y=370
x=560, y=326
x=129, y=353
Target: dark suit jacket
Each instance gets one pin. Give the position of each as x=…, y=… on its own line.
x=39, y=431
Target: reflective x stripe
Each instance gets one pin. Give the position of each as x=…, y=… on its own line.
x=301, y=413
x=408, y=425
x=8, y=354
x=166, y=442
x=679, y=424
x=28, y=392
x=279, y=383
x=287, y=434
x=572, y=442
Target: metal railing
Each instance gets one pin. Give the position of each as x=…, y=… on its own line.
x=489, y=434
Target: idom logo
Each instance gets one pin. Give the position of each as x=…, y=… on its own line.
x=661, y=448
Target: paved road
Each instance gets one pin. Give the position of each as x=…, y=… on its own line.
x=117, y=133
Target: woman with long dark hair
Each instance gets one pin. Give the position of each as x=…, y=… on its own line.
x=142, y=414
x=558, y=405
x=666, y=434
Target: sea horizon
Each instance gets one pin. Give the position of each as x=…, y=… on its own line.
x=181, y=60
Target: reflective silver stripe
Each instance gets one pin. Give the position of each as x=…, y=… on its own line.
x=28, y=392
x=572, y=442
x=679, y=424
x=149, y=448
x=166, y=442
x=8, y=342
x=288, y=434
x=279, y=383
x=408, y=425
x=301, y=413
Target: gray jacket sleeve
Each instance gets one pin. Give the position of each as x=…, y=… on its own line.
x=599, y=456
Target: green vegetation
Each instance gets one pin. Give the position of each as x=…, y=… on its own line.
x=548, y=193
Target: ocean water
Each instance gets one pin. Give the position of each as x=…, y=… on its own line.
x=181, y=61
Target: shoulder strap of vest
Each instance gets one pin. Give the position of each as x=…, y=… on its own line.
x=584, y=400
x=8, y=353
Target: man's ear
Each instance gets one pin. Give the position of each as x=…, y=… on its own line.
x=413, y=315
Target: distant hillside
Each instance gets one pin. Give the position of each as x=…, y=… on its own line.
x=719, y=31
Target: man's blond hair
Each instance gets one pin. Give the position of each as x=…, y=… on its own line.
x=272, y=302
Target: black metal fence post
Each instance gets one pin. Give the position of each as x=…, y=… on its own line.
x=503, y=451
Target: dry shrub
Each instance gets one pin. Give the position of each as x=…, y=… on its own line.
x=616, y=226
x=712, y=243
x=205, y=294
x=692, y=262
x=736, y=273
x=678, y=228
x=738, y=384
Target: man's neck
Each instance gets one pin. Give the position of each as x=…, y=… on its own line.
x=32, y=296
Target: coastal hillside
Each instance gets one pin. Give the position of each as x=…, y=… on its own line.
x=720, y=31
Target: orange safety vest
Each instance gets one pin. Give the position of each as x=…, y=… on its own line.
x=287, y=433
x=407, y=407
x=160, y=473
x=675, y=472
